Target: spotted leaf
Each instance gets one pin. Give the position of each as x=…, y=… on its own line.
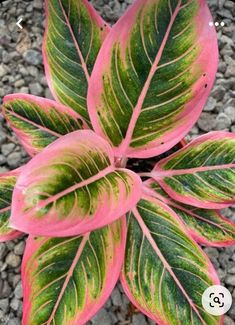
x=153, y=75
x=67, y=280
x=165, y=272
x=207, y=227
x=74, y=34
x=7, y=183
x=202, y=173
x=73, y=187
x=38, y=121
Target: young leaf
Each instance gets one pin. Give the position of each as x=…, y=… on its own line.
x=74, y=34
x=67, y=280
x=202, y=173
x=73, y=187
x=207, y=227
x=38, y=122
x=7, y=183
x=165, y=272
x=153, y=75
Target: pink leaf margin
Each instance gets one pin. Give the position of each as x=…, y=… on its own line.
x=211, y=271
x=92, y=308
x=45, y=105
x=158, y=173
x=51, y=225
x=93, y=14
x=121, y=31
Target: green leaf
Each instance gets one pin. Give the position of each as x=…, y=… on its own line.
x=207, y=227
x=73, y=187
x=202, y=173
x=153, y=75
x=165, y=272
x=67, y=280
x=73, y=37
x=38, y=121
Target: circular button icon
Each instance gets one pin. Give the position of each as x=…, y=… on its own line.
x=216, y=300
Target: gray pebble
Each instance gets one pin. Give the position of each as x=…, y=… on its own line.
x=33, y=57
x=139, y=319
x=18, y=291
x=7, y=148
x=102, y=318
x=13, y=260
x=223, y=122
x=14, y=159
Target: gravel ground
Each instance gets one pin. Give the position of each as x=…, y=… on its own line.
x=21, y=70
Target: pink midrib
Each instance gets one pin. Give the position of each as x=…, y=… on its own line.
x=68, y=277
x=137, y=110
x=148, y=235
x=160, y=173
x=83, y=63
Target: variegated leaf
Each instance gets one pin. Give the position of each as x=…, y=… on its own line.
x=38, y=122
x=67, y=280
x=165, y=272
x=73, y=37
x=207, y=227
x=202, y=173
x=153, y=75
x=7, y=183
x=73, y=187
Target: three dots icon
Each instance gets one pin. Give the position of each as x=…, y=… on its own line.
x=217, y=24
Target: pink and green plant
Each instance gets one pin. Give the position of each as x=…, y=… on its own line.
x=130, y=91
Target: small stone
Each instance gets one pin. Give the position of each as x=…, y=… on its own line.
x=7, y=148
x=3, y=70
x=13, y=260
x=3, y=250
x=210, y=105
x=232, y=270
x=33, y=57
x=218, y=92
x=230, y=280
x=139, y=319
x=18, y=291
x=102, y=318
x=35, y=89
x=230, y=111
x=14, y=159
x=19, y=248
x=207, y=122
x=2, y=137
x=15, y=303
x=38, y=4
x=228, y=321
x=223, y=122
x=4, y=304
x=2, y=160
x=13, y=321
x=116, y=297
x=6, y=290
x=211, y=252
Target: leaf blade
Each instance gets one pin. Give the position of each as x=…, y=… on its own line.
x=73, y=187
x=86, y=267
x=124, y=95
x=38, y=122
x=203, y=171
x=74, y=34
x=153, y=278
x=207, y=227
